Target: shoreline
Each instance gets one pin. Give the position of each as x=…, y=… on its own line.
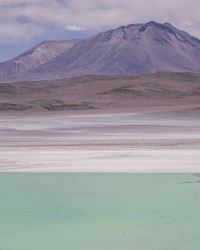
x=106, y=143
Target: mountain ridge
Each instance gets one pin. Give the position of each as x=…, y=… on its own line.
x=132, y=49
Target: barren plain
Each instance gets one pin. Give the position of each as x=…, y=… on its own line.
x=146, y=123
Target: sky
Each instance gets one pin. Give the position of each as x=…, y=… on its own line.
x=25, y=23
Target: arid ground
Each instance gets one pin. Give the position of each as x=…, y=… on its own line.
x=148, y=123
x=100, y=94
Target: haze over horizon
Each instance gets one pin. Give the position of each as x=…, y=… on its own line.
x=24, y=25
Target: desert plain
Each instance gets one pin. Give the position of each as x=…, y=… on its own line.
x=126, y=124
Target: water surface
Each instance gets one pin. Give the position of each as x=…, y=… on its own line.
x=99, y=211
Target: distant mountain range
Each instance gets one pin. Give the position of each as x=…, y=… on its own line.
x=133, y=49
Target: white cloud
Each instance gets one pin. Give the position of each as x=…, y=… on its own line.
x=15, y=2
x=93, y=15
x=14, y=32
x=74, y=27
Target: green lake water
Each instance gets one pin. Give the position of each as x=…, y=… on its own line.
x=99, y=212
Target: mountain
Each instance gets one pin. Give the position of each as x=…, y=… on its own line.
x=34, y=57
x=132, y=49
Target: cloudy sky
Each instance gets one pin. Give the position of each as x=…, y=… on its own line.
x=25, y=23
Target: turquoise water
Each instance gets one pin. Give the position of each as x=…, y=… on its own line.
x=99, y=212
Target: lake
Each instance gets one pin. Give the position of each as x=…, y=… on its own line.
x=99, y=211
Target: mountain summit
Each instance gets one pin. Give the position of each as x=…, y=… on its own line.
x=132, y=49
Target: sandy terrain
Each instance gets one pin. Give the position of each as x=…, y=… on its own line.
x=146, y=123
x=100, y=94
